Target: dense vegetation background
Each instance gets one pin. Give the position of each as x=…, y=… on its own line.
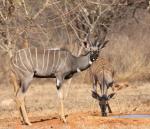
x=48, y=23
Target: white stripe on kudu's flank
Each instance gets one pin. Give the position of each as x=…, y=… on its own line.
x=65, y=59
x=53, y=49
x=18, y=67
x=22, y=61
x=53, y=62
x=62, y=65
x=31, y=57
x=43, y=60
x=16, y=59
x=36, y=58
x=27, y=59
x=47, y=62
x=58, y=60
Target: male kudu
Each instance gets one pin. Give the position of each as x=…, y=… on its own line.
x=53, y=63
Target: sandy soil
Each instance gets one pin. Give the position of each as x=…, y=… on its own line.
x=82, y=112
x=80, y=120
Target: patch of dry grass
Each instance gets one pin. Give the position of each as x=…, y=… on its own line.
x=128, y=49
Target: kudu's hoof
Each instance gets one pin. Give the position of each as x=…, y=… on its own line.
x=28, y=123
x=104, y=115
x=63, y=118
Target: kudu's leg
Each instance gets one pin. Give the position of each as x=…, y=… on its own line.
x=110, y=86
x=109, y=109
x=59, y=81
x=15, y=84
x=94, y=83
x=21, y=96
x=13, y=80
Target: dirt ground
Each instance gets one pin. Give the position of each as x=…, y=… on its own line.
x=81, y=111
x=80, y=120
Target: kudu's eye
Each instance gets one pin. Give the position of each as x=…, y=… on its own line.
x=85, y=44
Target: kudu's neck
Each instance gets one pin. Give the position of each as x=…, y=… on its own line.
x=83, y=62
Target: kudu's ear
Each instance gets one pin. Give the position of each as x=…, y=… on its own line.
x=113, y=73
x=102, y=45
x=85, y=44
x=111, y=95
x=95, y=95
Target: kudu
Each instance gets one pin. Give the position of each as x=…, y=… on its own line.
x=102, y=74
x=53, y=63
x=58, y=63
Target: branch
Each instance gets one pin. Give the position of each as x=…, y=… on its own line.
x=44, y=7
x=76, y=33
x=1, y=14
x=25, y=8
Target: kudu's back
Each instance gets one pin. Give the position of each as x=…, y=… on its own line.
x=41, y=62
x=102, y=75
x=102, y=70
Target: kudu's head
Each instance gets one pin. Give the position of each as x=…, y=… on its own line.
x=103, y=101
x=90, y=33
x=94, y=46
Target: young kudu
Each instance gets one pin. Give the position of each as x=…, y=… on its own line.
x=53, y=63
x=102, y=74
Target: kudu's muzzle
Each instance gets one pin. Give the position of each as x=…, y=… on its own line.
x=103, y=102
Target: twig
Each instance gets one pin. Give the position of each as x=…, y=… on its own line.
x=44, y=7
x=1, y=46
x=65, y=23
x=44, y=33
x=1, y=14
x=25, y=8
x=67, y=13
